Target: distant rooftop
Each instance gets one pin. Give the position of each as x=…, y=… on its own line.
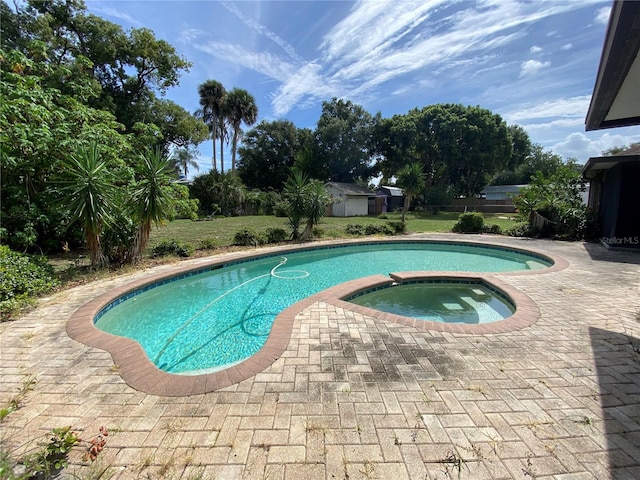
x=502, y=188
x=351, y=188
x=394, y=191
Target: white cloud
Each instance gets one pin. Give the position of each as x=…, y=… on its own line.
x=262, y=30
x=263, y=62
x=554, y=124
x=190, y=35
x=531, y=67
x=574, y=107
x=381, y=40
x=306, y=84
x=602, y=15
x=582, y=147
x=114, y=13
x=566, y=46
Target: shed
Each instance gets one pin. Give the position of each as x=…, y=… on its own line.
x=394, y=197
x=350, y=200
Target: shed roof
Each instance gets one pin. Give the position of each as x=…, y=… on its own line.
x=351, y=189
x=393, y=191
x=502, y=189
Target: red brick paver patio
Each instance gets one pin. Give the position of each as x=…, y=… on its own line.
x=353, y=396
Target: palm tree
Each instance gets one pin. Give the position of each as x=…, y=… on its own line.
x=241, y=107
x=88, y=193
x=183, y=159
x=151, y=199
x=412, y=180
x=223, y=133
x=212, y=97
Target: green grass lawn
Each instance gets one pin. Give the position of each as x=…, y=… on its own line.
x=222, y=230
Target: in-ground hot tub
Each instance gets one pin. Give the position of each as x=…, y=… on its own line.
x=451, y=300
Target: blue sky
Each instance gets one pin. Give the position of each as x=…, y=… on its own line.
x=532, y=62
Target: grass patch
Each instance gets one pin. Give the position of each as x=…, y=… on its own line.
x=222, y=230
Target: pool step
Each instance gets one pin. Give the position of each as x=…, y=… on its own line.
x=452, y=306
x=479, y=294
x=533, y=265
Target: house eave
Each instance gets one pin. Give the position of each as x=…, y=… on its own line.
x=616, y=99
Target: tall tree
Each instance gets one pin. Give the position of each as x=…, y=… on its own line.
x=241, y=107
x=40, y=126
x=212, y=100
x=218, y=193
x=521, y=146
x=268, y=152
x=344, y=141
x=411, y=179
x=457, y=145
x=177, y=126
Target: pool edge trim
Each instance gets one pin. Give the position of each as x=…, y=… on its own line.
x=137, y=370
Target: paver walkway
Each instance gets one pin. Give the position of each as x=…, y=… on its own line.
x=353, y=397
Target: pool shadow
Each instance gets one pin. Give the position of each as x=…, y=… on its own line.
x=599, y=253
x=617, y=359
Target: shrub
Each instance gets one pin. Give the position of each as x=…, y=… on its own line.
x=276, y=235
x=246, y=237
x=172, y=247
x=208, y=244
x=522, y=229
x=397, y=227
x=383, y=216
x=493, y=228
x=372, y=229
x=318, y=232
x=354, y=229
x=21, y=278
x=472, y=222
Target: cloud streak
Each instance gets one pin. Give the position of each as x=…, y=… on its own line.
x=115, y=13
x=381, y=41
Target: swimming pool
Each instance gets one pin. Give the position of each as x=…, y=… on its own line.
x=212, y=319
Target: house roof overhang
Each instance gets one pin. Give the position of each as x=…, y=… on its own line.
x=597, y=165
x=616, y=97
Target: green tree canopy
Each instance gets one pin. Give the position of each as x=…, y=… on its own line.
x=69, y=78
x=343, y=140
x=456, y=145
x=218, y=193
x=268, y=153
x=539, y=160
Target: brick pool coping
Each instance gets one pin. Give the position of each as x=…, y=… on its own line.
x=141, y=374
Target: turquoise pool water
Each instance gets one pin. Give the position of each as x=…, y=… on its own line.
x=214, y=319
x=469, y=303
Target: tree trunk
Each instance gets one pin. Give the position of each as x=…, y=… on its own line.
x=222, y=152
x=213, y=137
x=140, y=242
x=95, y=251
x=234, y=145
x=405, y=208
